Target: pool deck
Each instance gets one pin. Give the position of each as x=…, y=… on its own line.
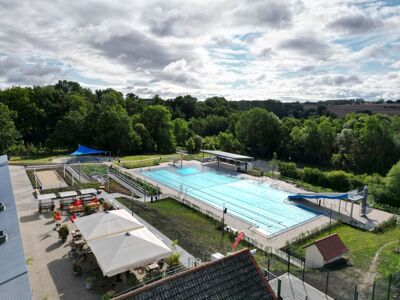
x=278, y=240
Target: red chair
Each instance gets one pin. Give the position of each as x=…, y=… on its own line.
x=57, y=216
x=72, y=218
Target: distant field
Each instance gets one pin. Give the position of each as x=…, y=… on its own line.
x=344, y=109
x=36, y=159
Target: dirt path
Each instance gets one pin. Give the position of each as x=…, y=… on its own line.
x=370, y=275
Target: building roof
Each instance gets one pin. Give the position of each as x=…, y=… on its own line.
x=14, y=279
x=227, y=155
x=293, y=288
x=236, y=276
x=330, y=247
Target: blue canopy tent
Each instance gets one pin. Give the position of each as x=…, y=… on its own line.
x=83, y=150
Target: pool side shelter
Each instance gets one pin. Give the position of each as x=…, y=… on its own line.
x=123, y=252
x=107, y=223
x=240, y=161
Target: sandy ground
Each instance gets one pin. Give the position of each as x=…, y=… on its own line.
x=49, y=179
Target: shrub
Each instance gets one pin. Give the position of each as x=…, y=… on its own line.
x=338, y=180
x=63, y=232
x=87, y=210
x=313, y=176
x=289, y=170
x=386, y=225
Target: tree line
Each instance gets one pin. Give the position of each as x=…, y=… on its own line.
x=63, y=115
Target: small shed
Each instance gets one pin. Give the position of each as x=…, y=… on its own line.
x=325, y=251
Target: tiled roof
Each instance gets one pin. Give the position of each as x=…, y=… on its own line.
x=233, y=277
x=331, y=247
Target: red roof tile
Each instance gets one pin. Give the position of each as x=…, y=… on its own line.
x=331, y=247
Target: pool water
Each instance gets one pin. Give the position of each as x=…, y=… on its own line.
x=257, y=203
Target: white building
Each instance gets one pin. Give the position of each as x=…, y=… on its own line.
x=325, y=251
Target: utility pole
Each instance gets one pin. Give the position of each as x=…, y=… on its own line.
x=224, y=210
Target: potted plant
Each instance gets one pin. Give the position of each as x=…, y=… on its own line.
x=89, y=282
x=63, y=232
x=106, y=206
x=87, y=210
x=77, y=269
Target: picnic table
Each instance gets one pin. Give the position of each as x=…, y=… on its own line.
x=79, y=208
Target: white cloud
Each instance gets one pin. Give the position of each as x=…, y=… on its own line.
x=294, y=49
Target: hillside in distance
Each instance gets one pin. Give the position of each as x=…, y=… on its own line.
x=340, y=110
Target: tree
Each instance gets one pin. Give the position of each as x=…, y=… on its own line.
x=114, y=131
x=313, y=141
x=210, y=143
x=393, y=181
x=157, y=120
x=198, y=141
x=133, y=104
x=8, y=133
x=190, y=145
x=148, y=144
x=227, y=142
x=181, y=131
x=259, y=131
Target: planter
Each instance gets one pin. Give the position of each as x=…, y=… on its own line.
x=77, y=270
x=89, y=283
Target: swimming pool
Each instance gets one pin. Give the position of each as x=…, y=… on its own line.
x=258, y=203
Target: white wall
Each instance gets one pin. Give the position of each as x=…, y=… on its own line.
x=314, y=258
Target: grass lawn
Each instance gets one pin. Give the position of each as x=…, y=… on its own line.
x=36, y=159
x=94, y=169
x=142, y=161
x=196, y=233
x=162, y=156
x=362, y=247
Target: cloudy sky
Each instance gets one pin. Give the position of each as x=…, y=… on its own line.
x=295, y=49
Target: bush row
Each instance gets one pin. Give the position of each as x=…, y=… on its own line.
x=336, y=180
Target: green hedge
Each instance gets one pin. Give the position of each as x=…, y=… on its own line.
x=289, y=170
x=336, y=180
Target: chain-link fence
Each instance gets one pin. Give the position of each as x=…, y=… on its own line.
x=334, y=282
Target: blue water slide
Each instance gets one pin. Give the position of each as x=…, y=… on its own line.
x=337, y=196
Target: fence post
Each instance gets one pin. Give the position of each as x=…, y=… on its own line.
x=279, y=289
x=373, y=291
x=390, y=283
x=327, y=283
x=304, y=269
x=355, y=293
x=288, y=263
x=268, y=264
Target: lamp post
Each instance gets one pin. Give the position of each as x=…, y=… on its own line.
x=132, y=202
x=224, y=210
